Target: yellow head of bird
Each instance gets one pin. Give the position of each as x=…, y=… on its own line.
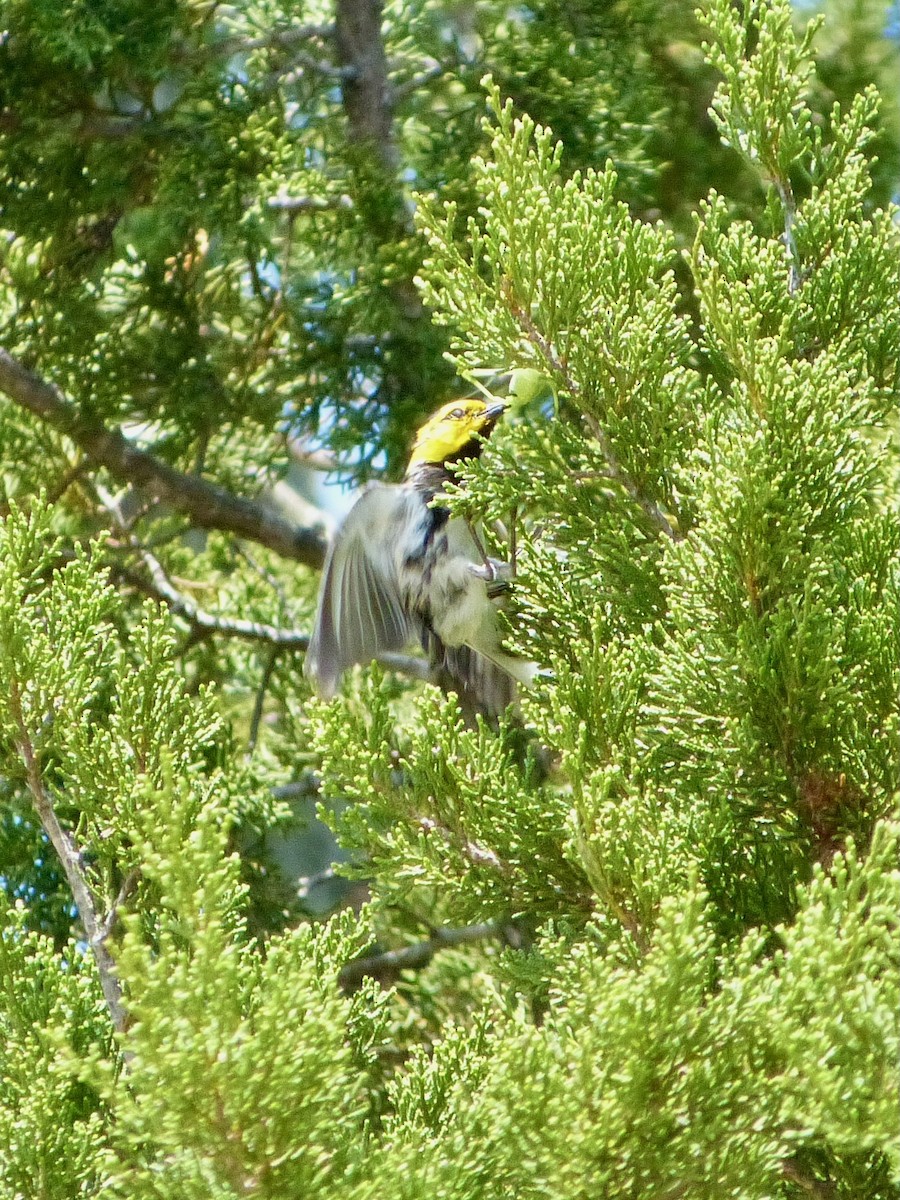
x=453, y=432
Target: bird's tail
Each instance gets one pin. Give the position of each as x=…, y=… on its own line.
x=485, y=684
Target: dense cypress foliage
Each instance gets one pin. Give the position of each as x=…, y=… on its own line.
x=639, y=939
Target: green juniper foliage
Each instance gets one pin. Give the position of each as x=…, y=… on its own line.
x=640, y=939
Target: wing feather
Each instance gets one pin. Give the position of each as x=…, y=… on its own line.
x=360, y=613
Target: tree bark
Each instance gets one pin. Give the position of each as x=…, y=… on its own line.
x=205, y=504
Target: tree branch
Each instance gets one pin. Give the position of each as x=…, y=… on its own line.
x=301, y=63
x=283, y=39
x=205, y=504
x=433, y=70
x=298, y=204
x=366, y=89
x=789, y=207
x=72, y=862
x=161, y=588
x=388, y=964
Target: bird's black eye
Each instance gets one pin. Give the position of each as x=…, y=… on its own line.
x=457, y=414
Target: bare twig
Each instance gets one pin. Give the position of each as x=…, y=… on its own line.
x=301, y=62
x=260, y=699
x=160, y=588
x=112, y=126
x=789, y=206
x=359, y=343
x=299, y=204
x=88, y=125
x=307, y=786
x=478, y=856
x=204, y=624
x=283, y=39
x=207, y=505
x=267, y=577
x=72, y=861
x=129, y=883
x=390, y=962
x=315, y=459
x=434, y=70
x=71, y=476
x=306, y=883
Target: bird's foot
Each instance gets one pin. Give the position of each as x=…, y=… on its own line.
x=496, y=574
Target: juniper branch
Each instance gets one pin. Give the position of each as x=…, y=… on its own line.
x=298, y=204
x=159, y=587
x=366, y=91
x=789, y=207
x=302, y=62
x=207, y=505
x=615, y=470
x=434, y=70
x=275, y=39
x=72, y=861
x=389, y=962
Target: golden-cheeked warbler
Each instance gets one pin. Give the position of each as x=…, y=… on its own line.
x=401, y=570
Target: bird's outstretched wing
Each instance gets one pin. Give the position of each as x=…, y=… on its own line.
x=360, y=614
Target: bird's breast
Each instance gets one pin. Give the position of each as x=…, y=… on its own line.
x=436, y=579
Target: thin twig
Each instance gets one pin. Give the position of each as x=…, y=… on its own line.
x=789, y=206
x=276, y=39
x=414, y=957
x=315, y=459
x=302, y=62
x=306, y=883
x=267, y=577
x=307, y=786
x=299, y=204
x=478, y=856
x=205, y=624
x=129, y=883
x=72, y=475
x=72, y=861
x=260, y=699
x=207, y=505
x=433, y=71
x=358, y=343
x=160, y=588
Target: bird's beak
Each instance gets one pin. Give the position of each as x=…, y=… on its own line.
x=494, y=412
